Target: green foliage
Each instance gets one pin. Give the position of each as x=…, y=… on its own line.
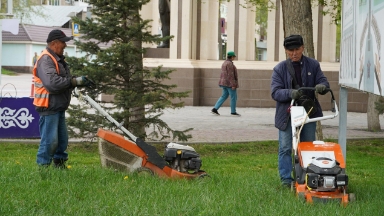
x=262, y=17
x=113, y=59
x=243, y=181
x=23, y=9
x=379, y=105
x=260, y=4
x=8, y=72
x=331, y=7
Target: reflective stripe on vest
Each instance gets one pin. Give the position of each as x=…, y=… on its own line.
x=41, y=97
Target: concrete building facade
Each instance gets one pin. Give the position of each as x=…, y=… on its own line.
x=195, y=52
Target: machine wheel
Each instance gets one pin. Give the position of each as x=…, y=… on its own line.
x=144, y=171
x=204, y=175
x=351, y=197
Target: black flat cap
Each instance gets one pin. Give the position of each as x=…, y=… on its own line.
x=58, y=35
x=293, y=41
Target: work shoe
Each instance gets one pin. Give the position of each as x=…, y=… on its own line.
x=214, y=111
x=235, y=114
x=59, y=163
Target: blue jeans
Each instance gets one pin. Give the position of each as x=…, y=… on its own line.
x=54, y=138
x=226, y=92
x=285, y=148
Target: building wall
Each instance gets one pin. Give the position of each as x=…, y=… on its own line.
x=18, y=56
x=13, y=54
x=201, y=78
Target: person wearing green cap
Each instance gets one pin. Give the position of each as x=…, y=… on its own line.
x=229, y=83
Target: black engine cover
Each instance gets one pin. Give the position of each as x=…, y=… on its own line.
x=193, y=164
x=313, y=180
x=323, y=171
x=342, y=180
x=169, y=154
x=189, y=154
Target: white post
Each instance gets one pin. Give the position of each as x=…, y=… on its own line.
x=343, y=103
x=1, y=44
x=9, y=7
x=9, y=12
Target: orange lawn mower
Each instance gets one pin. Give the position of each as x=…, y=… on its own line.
x=133, y=154
x=318, y=166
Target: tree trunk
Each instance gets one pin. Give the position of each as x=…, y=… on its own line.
x=372, y=113
x=297, y=19
x=319, y=128
x=138, y=113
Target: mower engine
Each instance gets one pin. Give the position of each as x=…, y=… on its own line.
x=182, y=158
x=325, y=174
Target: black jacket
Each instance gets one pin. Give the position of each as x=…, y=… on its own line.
x=57, y=84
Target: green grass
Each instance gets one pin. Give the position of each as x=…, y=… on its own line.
x=8, y=72
x=243, y=181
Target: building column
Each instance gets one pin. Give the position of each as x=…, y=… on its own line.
x=150, y=11
x=173, y=44
x=209, y=30
x=247, y=31
x=327, y=36
x=324, y=36
x=275, y=33
x=183, y=28
x=241, y=29
x=232, y=25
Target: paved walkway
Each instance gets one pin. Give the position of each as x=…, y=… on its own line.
x=255, y=123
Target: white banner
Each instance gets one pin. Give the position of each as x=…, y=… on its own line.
x=361, y=46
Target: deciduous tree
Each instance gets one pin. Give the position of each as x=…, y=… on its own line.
x=22, y=9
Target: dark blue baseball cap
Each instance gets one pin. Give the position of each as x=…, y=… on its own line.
x=58, y=35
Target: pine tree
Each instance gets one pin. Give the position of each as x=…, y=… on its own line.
x=379, y=105
x=112, y=42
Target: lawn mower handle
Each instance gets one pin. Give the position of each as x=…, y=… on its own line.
x=333, y=102
x=96, y=106
x=299, y=116
x=299, y=121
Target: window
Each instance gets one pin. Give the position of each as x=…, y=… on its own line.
x=54, y=2
x=50, y=2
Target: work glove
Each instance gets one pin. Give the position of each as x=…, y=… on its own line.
x=320, y=88
x=83, y=81
x=296, y=94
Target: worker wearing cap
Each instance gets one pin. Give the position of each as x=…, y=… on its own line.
x=229, y=83
x=53, y=85
x=307, y=73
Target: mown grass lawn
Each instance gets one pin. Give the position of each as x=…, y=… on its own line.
x=8, y=72
x=243, y=181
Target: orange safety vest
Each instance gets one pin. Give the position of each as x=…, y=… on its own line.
x=41, y=97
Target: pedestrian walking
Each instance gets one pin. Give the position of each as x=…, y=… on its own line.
x=34, y=59
x=228, y=83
